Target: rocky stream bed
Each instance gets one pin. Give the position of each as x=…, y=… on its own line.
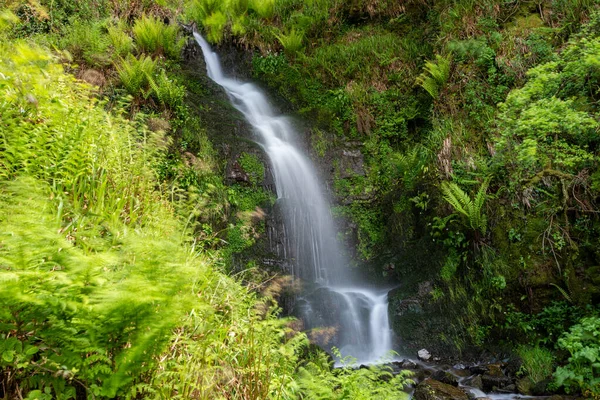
x=494, y=380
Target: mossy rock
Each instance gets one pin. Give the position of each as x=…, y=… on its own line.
x=431, y=389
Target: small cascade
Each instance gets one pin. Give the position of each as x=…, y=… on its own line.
x=333, y=296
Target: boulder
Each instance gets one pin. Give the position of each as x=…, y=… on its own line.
x=431, y=389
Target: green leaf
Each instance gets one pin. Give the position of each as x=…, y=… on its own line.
x=8, y=356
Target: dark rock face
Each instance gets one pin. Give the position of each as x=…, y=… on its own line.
x=431, y=389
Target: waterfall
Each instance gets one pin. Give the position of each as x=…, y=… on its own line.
x=333, y=296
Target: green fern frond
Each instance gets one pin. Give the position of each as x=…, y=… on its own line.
x=470, y=209
x=435, y=75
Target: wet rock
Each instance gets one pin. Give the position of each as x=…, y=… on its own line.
x=445, y=377
x=463, y=373
x=424, y=355
x=493, y=383
x=474, y=382
x=431, y=389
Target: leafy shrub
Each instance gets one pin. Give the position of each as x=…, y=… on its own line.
x=152, y=36
x=252, y=165
x=215, y=25
x=583, y=369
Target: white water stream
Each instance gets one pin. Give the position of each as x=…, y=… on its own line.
x=337, y=299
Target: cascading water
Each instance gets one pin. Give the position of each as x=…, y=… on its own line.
x=359, y=315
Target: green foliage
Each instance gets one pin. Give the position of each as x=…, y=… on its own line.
x=582, y=373
x=435, y=75
x=227, y=349
x=135, y=73
x=318, y=381
x=95, y=297
x=470, y=209
x=153, y=37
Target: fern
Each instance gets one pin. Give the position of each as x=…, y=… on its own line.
x=167, y=92
x=134, y=73
x=292, y=42
x=435, y=75
x=470, y=209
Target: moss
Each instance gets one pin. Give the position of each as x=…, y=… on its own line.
x=253, y=166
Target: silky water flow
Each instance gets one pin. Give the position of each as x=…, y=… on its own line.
x=348, y=315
